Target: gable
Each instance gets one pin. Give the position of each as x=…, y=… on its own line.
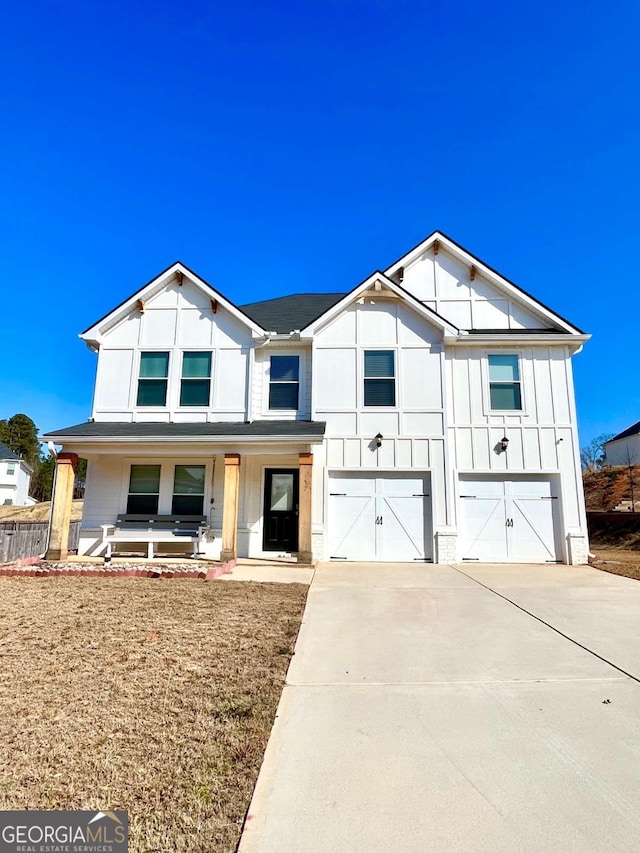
x=176, y=315
x=378, y=289
x=166, y=293
x=469, y=293
x=465, y=296
x=375, y=320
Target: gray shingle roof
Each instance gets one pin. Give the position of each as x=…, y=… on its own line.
x=632, y=430
x=5, y=453
x=239, y=429
x=290, y=312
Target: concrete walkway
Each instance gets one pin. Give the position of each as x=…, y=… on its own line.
x=430, y=708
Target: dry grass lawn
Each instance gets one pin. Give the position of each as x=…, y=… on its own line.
x=152, y=696
x=37, y=512
x=619, y=561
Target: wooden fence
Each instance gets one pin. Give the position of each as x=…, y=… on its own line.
x=20, y=540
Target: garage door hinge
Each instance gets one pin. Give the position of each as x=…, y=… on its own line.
x=549, y=498
x=337, y=494
x=421, y=496
x=337, y=558
x=467, y=496
x=470, y=559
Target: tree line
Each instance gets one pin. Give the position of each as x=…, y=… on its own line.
x=20, y=434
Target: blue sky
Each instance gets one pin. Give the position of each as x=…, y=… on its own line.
x=289, y=147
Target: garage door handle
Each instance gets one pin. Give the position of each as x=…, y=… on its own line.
x=378, y=519
x=509, y=522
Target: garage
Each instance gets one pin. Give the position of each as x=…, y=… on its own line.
x=380, y=516
x=509, y=520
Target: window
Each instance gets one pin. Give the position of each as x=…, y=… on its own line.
x=284, y=382
x=144, y=490
x=379, y=378
x=504, y=383
x=188, y=490
x=152, y=384
x=11, y=468
x=196, y=379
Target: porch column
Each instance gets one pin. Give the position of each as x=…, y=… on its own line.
x=62, y=497
x=305, y=549
x=230, y=507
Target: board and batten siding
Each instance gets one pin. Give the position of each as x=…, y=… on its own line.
x=543, y=437
x=178, y=318
x=260, y=399
x=443, y=283
x=413, y=429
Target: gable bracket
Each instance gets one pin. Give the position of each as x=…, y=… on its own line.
x=436, y=247
x=140, y=305
x=472, y=272
x=214, y=306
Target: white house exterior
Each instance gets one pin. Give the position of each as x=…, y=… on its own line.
x=359, y=426
x=15, y=479
x=624, y=448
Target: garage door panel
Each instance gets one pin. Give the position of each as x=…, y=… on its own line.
x=404, y=528
x=533, y=530
x=352, y=522
x=383, y=516
x=485, y=532
x=509, y=520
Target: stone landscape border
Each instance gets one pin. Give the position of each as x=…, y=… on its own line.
x=33, y=567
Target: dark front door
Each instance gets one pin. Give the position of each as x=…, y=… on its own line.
x=280, y=509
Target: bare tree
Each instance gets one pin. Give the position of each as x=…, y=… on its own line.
x=592, y=455
x=630, y=461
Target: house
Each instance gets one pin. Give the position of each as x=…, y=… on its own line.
x=15, y=479
x=624, y=448
x=427, y=414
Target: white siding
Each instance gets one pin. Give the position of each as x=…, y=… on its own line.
x=444, y=283
x=175, y=319
x=542, y=438
x=413, y=429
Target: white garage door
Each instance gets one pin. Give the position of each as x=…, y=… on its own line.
x=379, y=516
x=511, y=520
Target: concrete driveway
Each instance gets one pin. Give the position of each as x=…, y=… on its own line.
x=457, y=708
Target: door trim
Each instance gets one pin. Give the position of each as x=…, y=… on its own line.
x=268, y=471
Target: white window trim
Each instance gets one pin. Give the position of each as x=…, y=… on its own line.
x=284, y=414
x=486, y=386
x=167, y=474
x=198, y=408
x=134, y=395
x=396, y=369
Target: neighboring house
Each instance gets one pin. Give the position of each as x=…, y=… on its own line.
x=624, y=448
x=428, y=414
x=15, y=479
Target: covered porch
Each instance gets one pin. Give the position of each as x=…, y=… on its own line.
x=251, y=483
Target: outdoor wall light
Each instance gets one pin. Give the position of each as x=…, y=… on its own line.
x=379, y=438
x=504, y=443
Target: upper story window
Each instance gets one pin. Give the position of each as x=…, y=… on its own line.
x=284, y=382
x=144, y=490
x=379, y=378
x=188, y=490
x=11, y=468
x=152, y=382
x=195, y=389
x=504, y=383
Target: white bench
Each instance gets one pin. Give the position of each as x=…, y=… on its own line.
x=153, y=530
